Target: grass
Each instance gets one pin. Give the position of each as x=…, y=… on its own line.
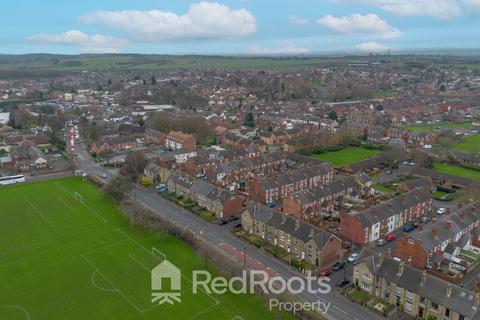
x=346, y=156
x=63, y=259
x=457, y=171
x=390, y=92
x=382, y=188
x=431, y=127
x=470, y=144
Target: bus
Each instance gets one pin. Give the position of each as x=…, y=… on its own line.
x=11, y=180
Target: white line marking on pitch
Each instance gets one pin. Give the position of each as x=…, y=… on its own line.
x=37, y=211
x=18, y=308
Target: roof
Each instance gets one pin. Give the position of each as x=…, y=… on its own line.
x=439, y=291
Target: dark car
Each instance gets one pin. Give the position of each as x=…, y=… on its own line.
x=338, y=265
x=234, y=218
x=342, y=282
x=223, y=222
x=408, y=228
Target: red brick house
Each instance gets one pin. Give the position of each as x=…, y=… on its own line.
x=115, y=145
x=155, y=137
x=376, y=222
x=270, y=190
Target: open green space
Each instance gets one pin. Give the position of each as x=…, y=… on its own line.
x=346, y=156
x=381, y=188
x=431, y=127
x=457, y=171
x=469, y=143
x=64, y=258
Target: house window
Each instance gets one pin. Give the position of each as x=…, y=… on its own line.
x=365, y=286
x=447, y=312
x=408, y=306
x=434, y=306
x=357, y=271
x=367, y=275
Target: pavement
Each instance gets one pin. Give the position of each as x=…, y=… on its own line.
x=221, y=236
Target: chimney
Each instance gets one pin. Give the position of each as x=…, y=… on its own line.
x=312, y=233
x=448, y=224
x=424, y=278
x=401, y=268
x=449, y=290
x=461, y=215
x=434, y=232
x=379, y=260
x=297, y=224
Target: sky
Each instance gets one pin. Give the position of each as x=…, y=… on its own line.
x=258, y=27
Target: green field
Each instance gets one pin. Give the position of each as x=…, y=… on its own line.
x=470, y=143
x=346, y=156
x=457, y=171
x=430, y=127
x=61, y=258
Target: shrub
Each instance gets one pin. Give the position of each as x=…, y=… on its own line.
x=146, y=181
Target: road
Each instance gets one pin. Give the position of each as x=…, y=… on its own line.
x=340, y=308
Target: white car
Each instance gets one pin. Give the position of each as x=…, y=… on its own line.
x=104, y=175
x=352, y=257
x=441, y=210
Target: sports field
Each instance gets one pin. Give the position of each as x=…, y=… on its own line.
x=63, y=258
x=470, y=143
x=346, y=156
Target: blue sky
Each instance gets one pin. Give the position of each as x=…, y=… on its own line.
x=237, y=26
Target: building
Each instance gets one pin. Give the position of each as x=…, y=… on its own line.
x=321, y=200
x=307, y=242
x=271, y=190
x=417, y=293
x=221, y=202
x=378, y=221
x=113, y=145
x=426, y=246
x=155, y=137
x=176, y=140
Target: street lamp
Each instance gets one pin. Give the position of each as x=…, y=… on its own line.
x=244, y=258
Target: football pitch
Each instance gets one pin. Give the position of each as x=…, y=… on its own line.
x=62, y=257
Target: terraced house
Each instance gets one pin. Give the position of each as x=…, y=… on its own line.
x=417, y=293
x=435, y=244
x=378, y=221
x=271, y=190
x=306, y=242
x=322, y=200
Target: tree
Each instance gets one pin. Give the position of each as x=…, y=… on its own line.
x=395, y=154
x=135, y=164
x=422, y=159
x=332, y=115
x=250, y=120
x=118, y=187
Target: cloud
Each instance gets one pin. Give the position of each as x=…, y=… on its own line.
x=472, y=4
x=289, y=49
x=88, y=44
x=369, y=24
x=204, y=20
x=371, y=47
x=298, y=20
x=444, y=9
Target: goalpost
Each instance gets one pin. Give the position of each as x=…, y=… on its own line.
x=78, y=197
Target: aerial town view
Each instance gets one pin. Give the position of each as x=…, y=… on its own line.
x=240, y=160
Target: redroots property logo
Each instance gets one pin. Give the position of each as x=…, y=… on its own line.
x=248, y=283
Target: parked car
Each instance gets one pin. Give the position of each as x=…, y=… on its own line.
x=352, y=257
x=325, y=272
x=234, y=218
x=441, y=210
x=104, y=176
x=408, y=228
x=338, y=266
x=411, y=164
x=381, y=242
x=425, y=219
x=390, y=237
x=342, y=282
x=388, y=172
x=160, y=186
x=223, y=222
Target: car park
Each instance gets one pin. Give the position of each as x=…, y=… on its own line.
x=338, y=266
x=352, y=257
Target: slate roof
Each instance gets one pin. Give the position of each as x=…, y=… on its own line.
x=426, y=285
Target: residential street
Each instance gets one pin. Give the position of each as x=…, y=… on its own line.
x=340, y=308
